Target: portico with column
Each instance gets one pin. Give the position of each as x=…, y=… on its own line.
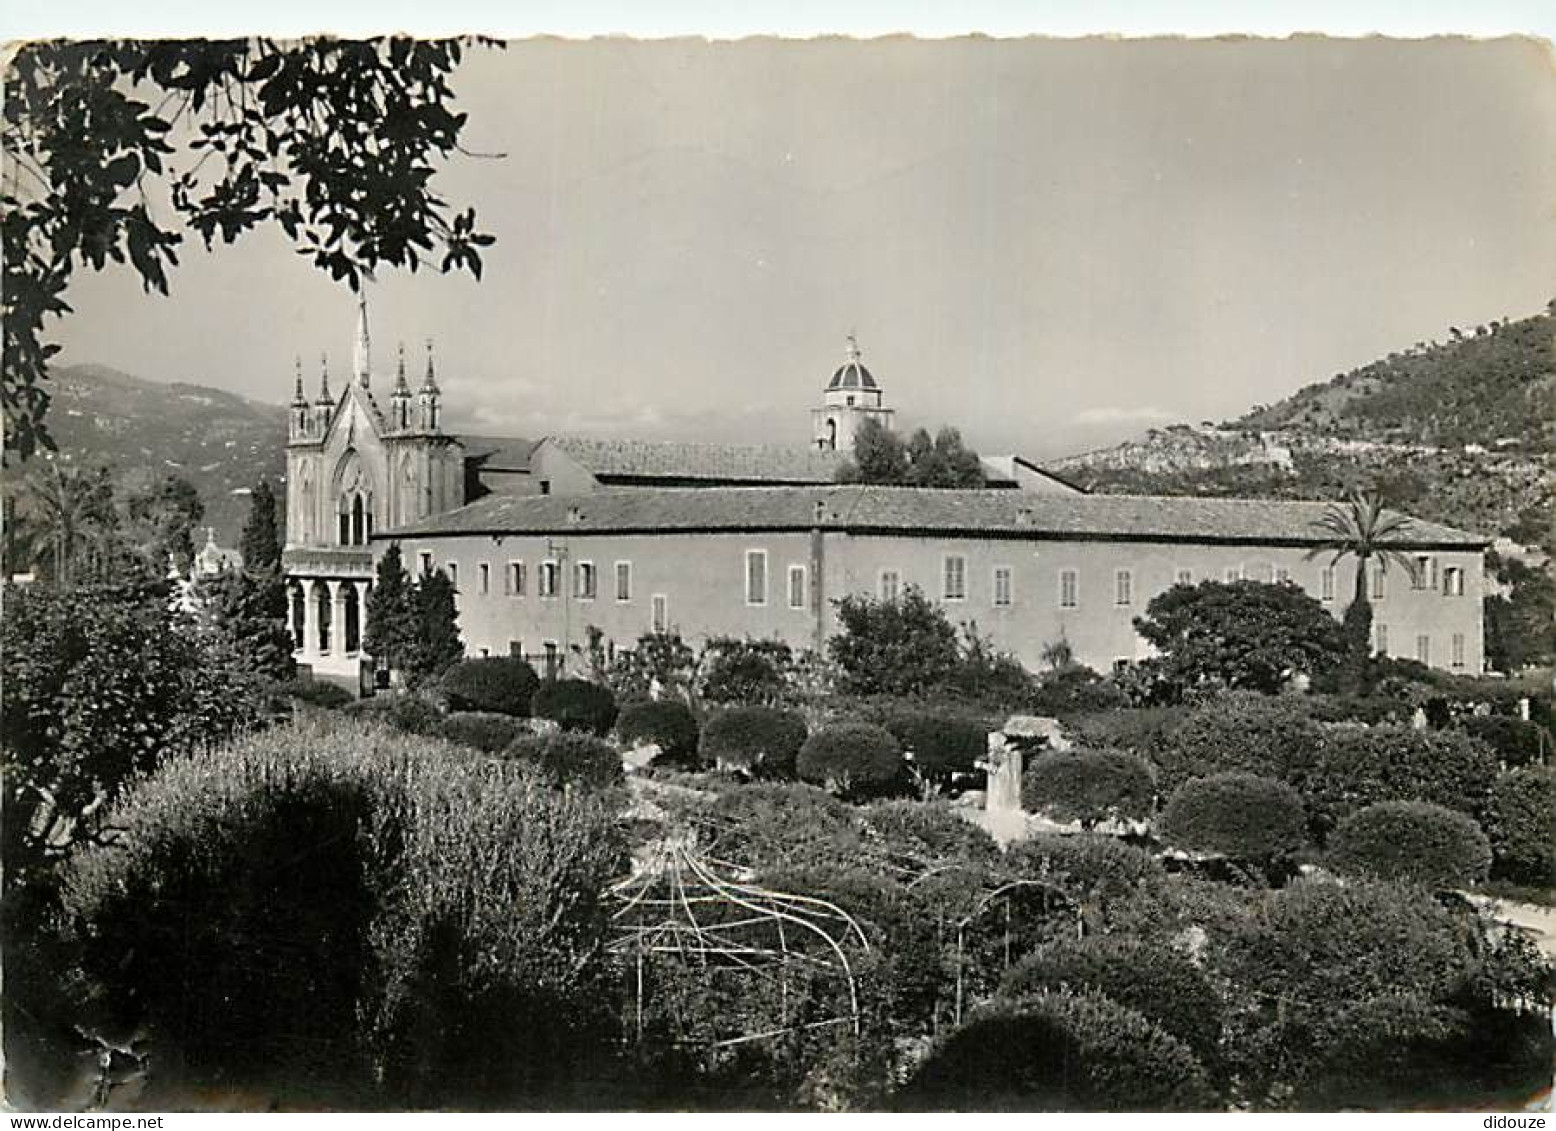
x=353, y=468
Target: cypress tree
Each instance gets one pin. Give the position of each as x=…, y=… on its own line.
x=250, y=608
x=389, y=631
x=437, y=644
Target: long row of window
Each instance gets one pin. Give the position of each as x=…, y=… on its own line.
x=953, y=581
x=1423, y=644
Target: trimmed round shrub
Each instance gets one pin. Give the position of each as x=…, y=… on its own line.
x=1161, y=984
x=1360, y=766
x=758, y=740
x=1089, y=786
x=940, y=745
x=292, y=906
x=485, y=731
x=1517, y=742
x=851, y=759
x=1414, y=841
x=783, y=825
x=501, y=684
x=1060, y=1052
x=1523, y=825
x=569, y=758
x=318, y=693
x=1240, y=732
x=667, y=723
x=575, y=704
x=1241, y=816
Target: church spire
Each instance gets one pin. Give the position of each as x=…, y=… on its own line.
x=429, y=384
x=324, y=380
x=298, y=396
x=362, y=351
x=401, y=389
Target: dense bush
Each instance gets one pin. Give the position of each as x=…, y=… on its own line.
x=1309, y=946
x=1414, y=841
x=101, y=684
x=1075, y=689
x=575, y=704
x=335, y=900
x=851, y=759
x=1060, y=1052
x=1361, y=766
x=1089, y=786
x=1094, y=871
x=1240, y=634
x=1272, y=736
x=940, y=744
x=746, y=671
x=1160, y=983
x=502, y=684
x=1137, y=730
x=1240, y=816
x=486, y=731
x=318, y=693
x=914, y=837
x=783, y=825
x=407, y=712
x=901, y=647
x=1521, y=825
x=1366, y=709
x=668, y=724
x=1516, y=742
x=569, y=758
x=759, y=740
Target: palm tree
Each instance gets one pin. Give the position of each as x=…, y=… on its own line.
x=73, y=508
x=1364, y=529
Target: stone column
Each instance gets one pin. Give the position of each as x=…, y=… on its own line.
x=311, y=626
x=337, y=617
x=361, y=588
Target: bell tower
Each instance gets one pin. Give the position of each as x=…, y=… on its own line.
x=851, y=397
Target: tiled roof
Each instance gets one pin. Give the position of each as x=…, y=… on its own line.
x=986, y=513
x=737, y=463
x=499, y=453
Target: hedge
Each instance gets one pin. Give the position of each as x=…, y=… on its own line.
x=291, y=906
x=1360, y=766
x=1160, y=983
x=405, y=712
x=501, y=684
x=1517, y=742
x=940, y=744
x=851, y=759
x=760, y=740
x=1414, y=841
x=1060, y=1052
x=318, y=692
x=486, y=731
x=1240, y=732
x=667, y=723
x=1089, y=786
x=1240, y=816
x=1522, y=825
x=575, y=704
x=569, y=758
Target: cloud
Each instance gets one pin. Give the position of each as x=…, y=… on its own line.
x=1136, y=416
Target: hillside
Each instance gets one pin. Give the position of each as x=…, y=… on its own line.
x=1462, y=432
x=220, y=442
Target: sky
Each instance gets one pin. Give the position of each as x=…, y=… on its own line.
x=1051, y=244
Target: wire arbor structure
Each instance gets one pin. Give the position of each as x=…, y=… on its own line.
x=718, y=961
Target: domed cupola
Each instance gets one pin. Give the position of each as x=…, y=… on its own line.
x=850, y=397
